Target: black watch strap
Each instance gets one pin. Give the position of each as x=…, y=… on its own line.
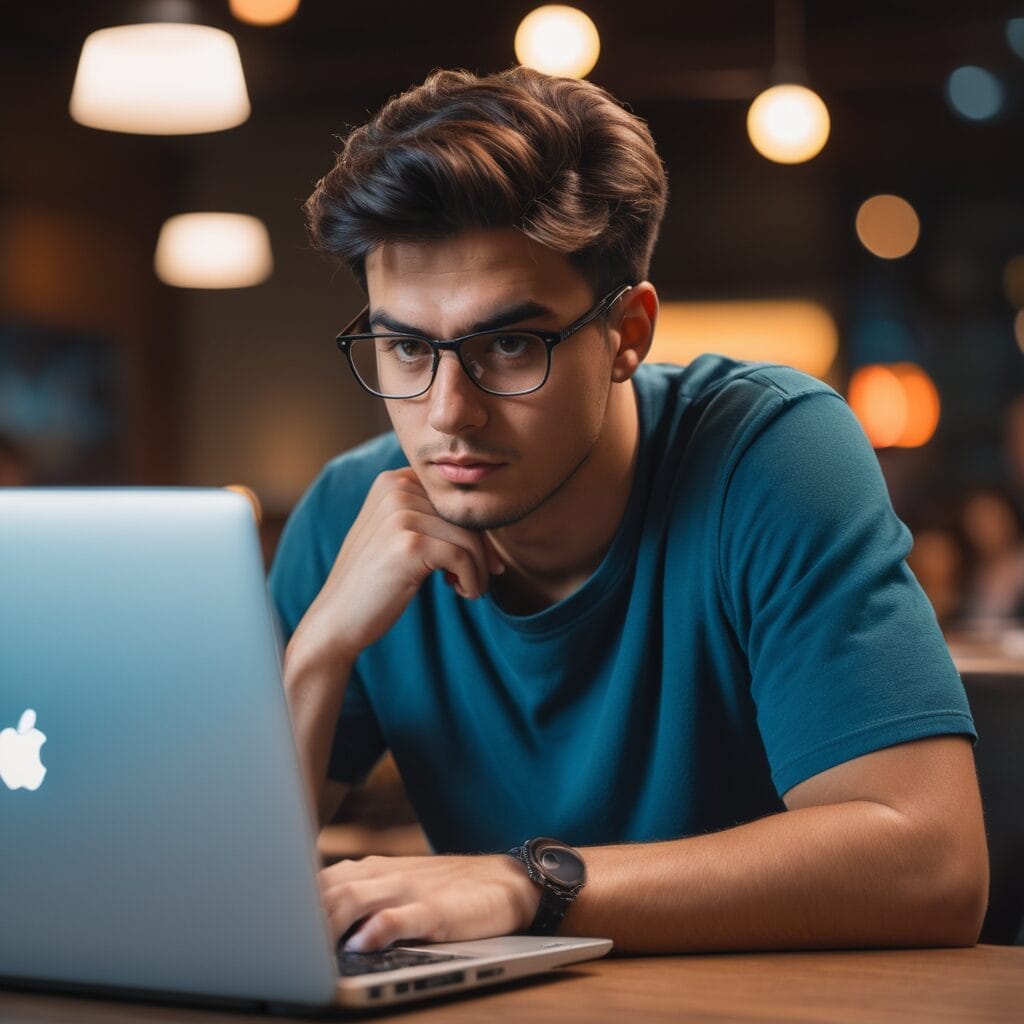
x=557, y=894
x=553, y=906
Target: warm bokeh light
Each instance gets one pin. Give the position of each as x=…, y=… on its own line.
x=799, y=333
x=213, y=250
x=788, y=124
x=897, y=404
x=251, y=496
x=1018, y=328
x=559, y=40
x=888, y=226
x=264, y=12
x=923, y=407
x=878, y=400
x=160, y=79
x=974, y=93
x=1013, y=281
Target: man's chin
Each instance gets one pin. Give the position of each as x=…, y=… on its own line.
x=478, y=516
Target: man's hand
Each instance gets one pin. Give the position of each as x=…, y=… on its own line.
x=396, y=542
x=434, y=899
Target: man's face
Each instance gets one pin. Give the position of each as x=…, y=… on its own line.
x=488, y=461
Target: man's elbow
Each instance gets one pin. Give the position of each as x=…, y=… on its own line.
x=957, y=898
x=956, y=914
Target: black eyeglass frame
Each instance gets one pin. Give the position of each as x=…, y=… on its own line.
x=550, y=339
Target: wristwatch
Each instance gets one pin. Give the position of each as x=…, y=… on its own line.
x=561, y=874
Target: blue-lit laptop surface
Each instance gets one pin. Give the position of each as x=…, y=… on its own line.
x=154, y=836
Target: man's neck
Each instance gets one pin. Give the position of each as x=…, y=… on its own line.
x=556, y=549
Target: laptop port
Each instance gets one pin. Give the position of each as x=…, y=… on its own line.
x=401, y=987
x=376, y=992
x=440, y=980
x=489, y=972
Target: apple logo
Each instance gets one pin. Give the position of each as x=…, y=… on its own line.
x=20, y=766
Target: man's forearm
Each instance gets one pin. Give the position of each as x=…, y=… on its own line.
x=854, y=874
x=315, y=689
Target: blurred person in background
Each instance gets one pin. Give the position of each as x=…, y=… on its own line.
x=660, y=613
x=1013, y=448
x=937, y=560
x=993, y=529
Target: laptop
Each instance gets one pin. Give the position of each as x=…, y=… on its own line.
x=154, y=835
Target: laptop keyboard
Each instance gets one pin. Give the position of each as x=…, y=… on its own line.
x=352, y=964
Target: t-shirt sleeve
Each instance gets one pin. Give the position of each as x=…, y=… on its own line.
x=844, y=651
x=302, y=562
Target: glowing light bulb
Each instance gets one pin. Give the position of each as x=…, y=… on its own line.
x=788, y=124
x=264, y=12
x=558, y=40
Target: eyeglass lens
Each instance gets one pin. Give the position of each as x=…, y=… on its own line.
x=399, y=366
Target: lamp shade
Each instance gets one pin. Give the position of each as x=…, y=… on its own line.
x=160, y=79
x=213, y=250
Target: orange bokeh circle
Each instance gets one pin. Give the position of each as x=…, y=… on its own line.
x=897, y=404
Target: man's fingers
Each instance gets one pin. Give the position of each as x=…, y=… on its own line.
x=395, y=543
x=405, y=492
x=377, y=901
x=462, y=554
x=350, y=901
x=389, y=925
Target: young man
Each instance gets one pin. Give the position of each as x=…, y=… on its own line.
x=660, y=614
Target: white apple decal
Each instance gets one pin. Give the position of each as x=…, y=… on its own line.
x=20, y=765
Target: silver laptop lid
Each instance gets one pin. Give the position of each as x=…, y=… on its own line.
x=168, y=846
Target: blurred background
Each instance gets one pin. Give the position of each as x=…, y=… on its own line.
x=886, y=256
x=910, y=305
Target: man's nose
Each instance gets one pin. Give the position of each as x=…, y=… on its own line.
x=456, y=403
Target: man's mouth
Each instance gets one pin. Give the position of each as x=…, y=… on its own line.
x=464, y=470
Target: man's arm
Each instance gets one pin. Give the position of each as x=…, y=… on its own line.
x=395, y=543
x=315, y=691
x=885, y=850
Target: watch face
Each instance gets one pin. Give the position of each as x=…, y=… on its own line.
x=559, y=863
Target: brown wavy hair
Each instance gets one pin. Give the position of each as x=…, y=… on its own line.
x=557, y=158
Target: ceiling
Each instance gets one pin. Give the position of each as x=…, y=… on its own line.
x=652, y=49
x=880, y=66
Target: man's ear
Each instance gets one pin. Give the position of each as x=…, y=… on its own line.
x=636, y=330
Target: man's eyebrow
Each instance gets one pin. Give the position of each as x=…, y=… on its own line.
x=380, y=318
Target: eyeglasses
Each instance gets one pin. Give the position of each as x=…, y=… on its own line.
x=504, y=362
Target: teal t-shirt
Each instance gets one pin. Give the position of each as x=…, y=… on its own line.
x=753, y=623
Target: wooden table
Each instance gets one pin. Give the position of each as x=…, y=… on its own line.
x=980, y=985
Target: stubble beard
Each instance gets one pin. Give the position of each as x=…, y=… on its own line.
x=516, y=514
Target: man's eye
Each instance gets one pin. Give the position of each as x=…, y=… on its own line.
x=511, y=344
x=406, y=349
